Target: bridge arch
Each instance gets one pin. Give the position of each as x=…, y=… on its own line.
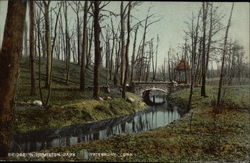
x=140, y=87
x=154, y=96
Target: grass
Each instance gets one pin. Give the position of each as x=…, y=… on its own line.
x=68, y=106
x=74, y=113
x=203, y=134
x=59, y=73
x=213, y=136
x=234, y=81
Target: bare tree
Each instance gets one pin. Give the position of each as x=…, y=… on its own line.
x=169, y=66
x=203, y=64
x=126, y=52
x=50, y=48
x=39, y=37
x=25, y=39
x=223, y=56
x=76, y=8
x=10, y=55
x=146, y=25
x=117, y=61
x=156, y=54
x=194, y=43
x=112, y=50
x=122, y=51
x=90, y=40
x=32, y=47
x=48, y=43
x=84, y=47
x=107, y=53
x=96, y=8
x=67, y=43
x=133, y=54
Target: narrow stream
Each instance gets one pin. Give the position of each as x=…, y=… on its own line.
x=154, y=117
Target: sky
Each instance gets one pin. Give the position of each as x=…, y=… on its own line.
x=172, y=25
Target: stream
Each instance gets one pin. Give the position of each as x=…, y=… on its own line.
x=151, y=118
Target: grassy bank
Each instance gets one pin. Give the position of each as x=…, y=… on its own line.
x=202, y=134
x=67, y=105
x=75, y=112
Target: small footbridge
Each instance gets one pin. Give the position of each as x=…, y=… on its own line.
x=166, y=87
x=155, y=93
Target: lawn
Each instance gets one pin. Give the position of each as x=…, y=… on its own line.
x=203, y=134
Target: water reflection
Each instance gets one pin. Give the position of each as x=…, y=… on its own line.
x=149, y=119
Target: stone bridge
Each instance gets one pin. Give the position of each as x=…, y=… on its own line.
x=139, y=87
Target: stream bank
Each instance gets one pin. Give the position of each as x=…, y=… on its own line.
x=29, y=118
x=149, y=119
x=212, y=137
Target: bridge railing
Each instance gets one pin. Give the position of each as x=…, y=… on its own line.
x=154, y=82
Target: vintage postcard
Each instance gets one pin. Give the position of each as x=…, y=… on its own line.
x=124, y=81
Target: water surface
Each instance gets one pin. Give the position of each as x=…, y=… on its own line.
x=152, y=118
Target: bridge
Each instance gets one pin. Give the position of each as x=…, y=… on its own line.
x=139, y=87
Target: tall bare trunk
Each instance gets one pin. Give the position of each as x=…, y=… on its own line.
x=67, y=42
x=10, y=55
x=203, y=64
x=223, y=56
x=126, y=52
x=117, y=62
x=88, y=59
x=84, y=47
x=48, y=44
x=97, y=30
x=32, y=47
x=169, y=67
x=156, y=55
x=78, y=39
x=209, y=37
x=112, y=51
x=25, y=39
x=194, y=38
x=122, y=44
x=133, y=55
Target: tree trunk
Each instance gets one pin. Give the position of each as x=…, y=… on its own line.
x=25, y=39
x=97, y=31
x=143, y=46
x=122, y=44
x=196, y=77
x=209, y=37
x=133, y=55
x=107, y=56
x=156, y=55
x=169, y=67
x=32, y=48
x=194, y=38
x=88, y=59
x=62, y=45
x=48, y=45
x=223, y=56
x=67, y=39
x=10, y=55
x=203, y=66
x=126, y=53
x=117, y=62
x=84, y=47
x=78, y=39
x=112, y=51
